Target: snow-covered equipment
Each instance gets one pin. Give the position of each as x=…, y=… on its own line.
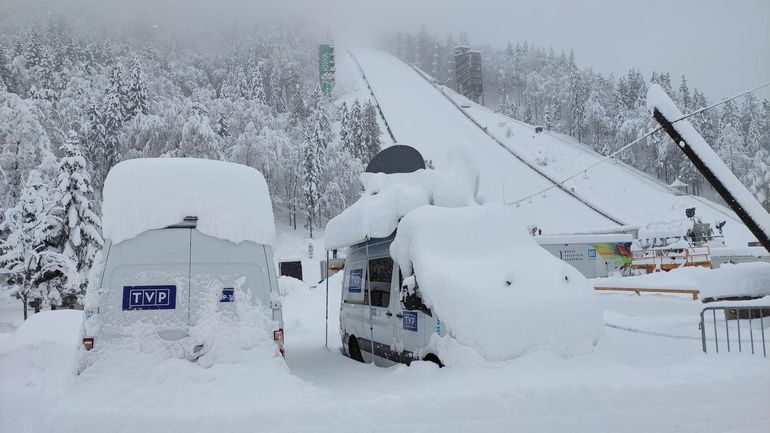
x=186, y=240
x=598, y=255
x=398, y=158
x=703, y=157
x=675, y=244
x=431, y=275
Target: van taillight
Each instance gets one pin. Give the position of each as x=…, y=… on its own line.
x=88, y=343
x=278, y=338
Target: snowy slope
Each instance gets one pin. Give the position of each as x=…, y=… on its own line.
x=423, y=117
x=420, y=117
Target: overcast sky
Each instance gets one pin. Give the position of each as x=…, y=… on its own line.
x=723, y=47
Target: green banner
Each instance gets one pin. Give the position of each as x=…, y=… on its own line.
x=326, y=68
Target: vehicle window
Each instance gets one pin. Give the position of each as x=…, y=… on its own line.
x=378, y=283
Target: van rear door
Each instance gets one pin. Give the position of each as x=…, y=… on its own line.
x=146, y=280
x=222, y=271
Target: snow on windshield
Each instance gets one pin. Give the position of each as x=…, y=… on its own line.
x=231, y=201
x=492, y=286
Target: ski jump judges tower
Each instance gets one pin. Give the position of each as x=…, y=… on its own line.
x=468, y=74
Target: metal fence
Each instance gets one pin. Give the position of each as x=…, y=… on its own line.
x=735, y=329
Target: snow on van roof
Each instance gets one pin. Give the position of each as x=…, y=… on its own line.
x=492, y=286
x=582, y=239
x=388, y=197
x=231, y=201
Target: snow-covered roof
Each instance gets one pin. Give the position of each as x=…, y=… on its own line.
x=677, y=184
x=494, y=289
x=231, y=201
x=658, y=99
x=389, y=197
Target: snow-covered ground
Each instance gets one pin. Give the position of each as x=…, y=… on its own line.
x=422, y=117
x=646, y=374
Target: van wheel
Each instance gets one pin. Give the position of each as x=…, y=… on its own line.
x=434, y=359
x=353, y=350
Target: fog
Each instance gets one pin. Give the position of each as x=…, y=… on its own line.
x=722, y=47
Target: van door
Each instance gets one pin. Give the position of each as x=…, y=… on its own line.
x=146, y=280
x=380, y=310
x=223, y=273
x=412, y=326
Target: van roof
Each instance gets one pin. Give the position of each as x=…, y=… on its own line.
x=230, y=201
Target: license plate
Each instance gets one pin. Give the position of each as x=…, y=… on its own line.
x=149, y=297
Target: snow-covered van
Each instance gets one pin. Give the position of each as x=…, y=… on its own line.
x=186, y=239
x=432, y=275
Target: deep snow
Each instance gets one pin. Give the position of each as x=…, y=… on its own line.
x=635, y=381
x=230, y=200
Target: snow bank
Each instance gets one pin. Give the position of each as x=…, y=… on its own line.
x=231, y=201
x=657, y=99
x=60, y=326
x=744, y=279
x=492, y=286
x=388, y=197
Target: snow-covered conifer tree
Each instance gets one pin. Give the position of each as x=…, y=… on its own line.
x=80, y=237
x=137, y=90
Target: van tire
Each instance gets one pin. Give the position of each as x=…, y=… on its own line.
x=434, y=359
x=354, y=351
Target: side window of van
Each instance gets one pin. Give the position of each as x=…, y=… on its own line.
x=410, y=300
x=380, y=272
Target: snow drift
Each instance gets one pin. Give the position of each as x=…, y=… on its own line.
x=388, y=197
x=744, y=279
x=492, y=286
x=231, y=201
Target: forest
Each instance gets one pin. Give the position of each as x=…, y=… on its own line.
x=539, y=86
x=74, y=103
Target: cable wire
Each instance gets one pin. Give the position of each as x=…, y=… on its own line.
x=605, y=158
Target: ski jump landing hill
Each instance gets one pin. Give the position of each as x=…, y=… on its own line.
x=516, y=164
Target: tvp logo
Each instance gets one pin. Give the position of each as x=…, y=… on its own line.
x=149, y=297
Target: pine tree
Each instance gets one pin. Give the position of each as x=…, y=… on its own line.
x=317, y=137
x=684, y=95
x=28, y=261
x=547, y=117
x=223, y=125
x=355, y=134
x=137, y=99
x=576, y=98
x=33, y=55
x=730, y=141
x=371, y=132
x=344, y=114
x=80, y=238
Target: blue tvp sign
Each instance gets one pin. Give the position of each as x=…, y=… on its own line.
x=149, y=297
x=409, y=320
x=228, y=295
x=354, y=285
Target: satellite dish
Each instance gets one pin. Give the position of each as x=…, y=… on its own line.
x=398, y=158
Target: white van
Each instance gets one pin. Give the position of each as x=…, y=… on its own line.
x=380, y=321
x=213, y=255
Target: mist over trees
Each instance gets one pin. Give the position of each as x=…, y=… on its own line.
x=74, y=103
x=542, y=87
